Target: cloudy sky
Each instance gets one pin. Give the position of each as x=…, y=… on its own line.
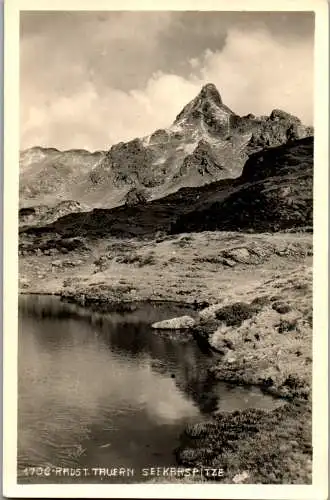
x=91, y=79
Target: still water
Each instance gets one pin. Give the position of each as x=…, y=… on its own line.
x=106, y=391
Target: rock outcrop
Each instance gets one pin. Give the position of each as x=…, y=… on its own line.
x=135, y=196
x=43, y=214
x=179, y=323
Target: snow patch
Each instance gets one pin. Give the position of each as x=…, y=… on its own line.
x=160, y=160
x=188, y=148
x=146, y=140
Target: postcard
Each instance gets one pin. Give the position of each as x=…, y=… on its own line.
x=165, y=249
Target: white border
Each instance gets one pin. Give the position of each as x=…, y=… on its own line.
x=318, y=490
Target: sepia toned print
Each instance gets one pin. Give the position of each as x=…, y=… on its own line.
x=165, y=251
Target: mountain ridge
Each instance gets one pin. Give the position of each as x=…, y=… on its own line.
x=206, y=142
x=279, y=199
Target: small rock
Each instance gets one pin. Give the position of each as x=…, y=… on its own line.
x=228, y=343
x=229, y=359
x=179, y=323
x=222, y=344
x=240, y=478
x=81, y=299
x=56, y=263
x=24, y=282
x=68, y=263
x=228, y=262
x=281, y=308
x=267, y=382
x=240, y=255
x=260, y=301
x=209, y=312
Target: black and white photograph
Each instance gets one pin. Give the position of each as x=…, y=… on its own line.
x=165, y=250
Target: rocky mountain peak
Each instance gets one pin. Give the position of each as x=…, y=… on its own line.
x=210, y=92
x=207, y=104
x=207, y=108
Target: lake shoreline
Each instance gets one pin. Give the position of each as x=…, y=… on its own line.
x=265, y=341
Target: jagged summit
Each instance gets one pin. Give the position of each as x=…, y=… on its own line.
x=206, y=109
x=209, y=91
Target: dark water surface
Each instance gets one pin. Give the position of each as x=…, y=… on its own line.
x=106, y=391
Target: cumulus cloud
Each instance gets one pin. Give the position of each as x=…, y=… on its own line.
x=258, y=73
x=254, y=72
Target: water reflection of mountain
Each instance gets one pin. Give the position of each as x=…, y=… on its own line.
x=130, y=336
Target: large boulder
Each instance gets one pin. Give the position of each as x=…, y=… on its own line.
x=179, y=323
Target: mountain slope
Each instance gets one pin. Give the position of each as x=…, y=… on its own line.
x=48, y=176
x=275, y=191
